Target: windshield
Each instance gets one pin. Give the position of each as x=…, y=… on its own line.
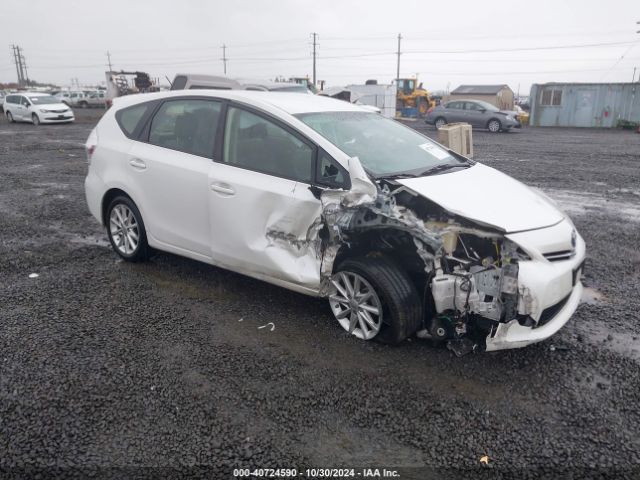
x=385, y=147
x=43, y=100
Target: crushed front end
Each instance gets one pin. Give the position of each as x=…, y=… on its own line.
x=483, y=288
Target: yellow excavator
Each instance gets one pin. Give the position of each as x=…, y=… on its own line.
x=412, y=95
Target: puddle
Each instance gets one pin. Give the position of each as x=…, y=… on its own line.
x=92, y=240
x=591, y=296
x=582, y=203
x=598, y=332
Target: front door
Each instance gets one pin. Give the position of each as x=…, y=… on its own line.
x=475, y=115
x=262, y=211
x=22, y=110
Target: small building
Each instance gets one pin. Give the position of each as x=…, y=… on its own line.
x=499, y=95
x=584, y=104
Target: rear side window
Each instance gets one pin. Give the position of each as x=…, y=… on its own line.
x=186, y=125
x=129, y=118
x=255, y=143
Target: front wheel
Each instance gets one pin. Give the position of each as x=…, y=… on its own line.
x=84, y=104
x=35, y=119
x=373, y=297
x=126, y=230
x=494, y=126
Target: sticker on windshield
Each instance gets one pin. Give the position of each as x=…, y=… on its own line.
x=434, y=150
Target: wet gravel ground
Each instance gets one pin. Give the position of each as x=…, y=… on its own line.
x=161, y=369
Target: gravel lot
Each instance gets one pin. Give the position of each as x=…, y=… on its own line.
x=107, y=367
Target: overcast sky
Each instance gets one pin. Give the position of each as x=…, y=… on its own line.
x=444, y=43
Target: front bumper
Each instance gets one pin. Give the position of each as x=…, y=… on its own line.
x=48, y=118
x=550, y=293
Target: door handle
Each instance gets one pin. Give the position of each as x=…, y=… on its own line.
x=223, y=188
x=137, y=164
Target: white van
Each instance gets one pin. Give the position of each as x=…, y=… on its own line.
x=36, y=108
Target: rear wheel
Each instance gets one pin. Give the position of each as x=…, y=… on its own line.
x=440, y=122
x=84, y=104
x=35, y=119
x=494, y=125
x=126, y=231
x=374, y=298
x=10, y=118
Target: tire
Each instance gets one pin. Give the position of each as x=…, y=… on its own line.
x=400, y=303
x=439, y=123
x=123, y=212
x=494, y=125
x=10, y=118
x=84, y=104
x=35, y=119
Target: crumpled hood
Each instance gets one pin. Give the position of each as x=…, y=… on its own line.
x=487, y=196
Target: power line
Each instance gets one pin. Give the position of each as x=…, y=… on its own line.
x=524, y=49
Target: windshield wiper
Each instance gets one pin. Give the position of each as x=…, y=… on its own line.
x=442, y=167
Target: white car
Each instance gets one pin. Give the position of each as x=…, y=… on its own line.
x=401, y=235
x=36, y=108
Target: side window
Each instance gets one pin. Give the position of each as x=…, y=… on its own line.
x=472, y=106
x=256, y=143
x=186, y=125
x=331, y=174
x=454, y=105
x=129, y=118
x=24, y=101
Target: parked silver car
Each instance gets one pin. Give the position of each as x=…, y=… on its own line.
x=474, y=112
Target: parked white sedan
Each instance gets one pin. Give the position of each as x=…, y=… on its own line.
x=401, y=235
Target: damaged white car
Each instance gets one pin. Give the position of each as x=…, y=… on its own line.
x=402, y=236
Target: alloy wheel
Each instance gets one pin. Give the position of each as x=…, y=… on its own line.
x=124, y=230
x=356, y=305
x=494, y=126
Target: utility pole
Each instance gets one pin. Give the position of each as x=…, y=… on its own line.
x=109, y=60
x=315, y=44
x=398, y=64
x=633, y=79
x=224, y=57
x=17, y=62
x=26, y=73
x=23, y=78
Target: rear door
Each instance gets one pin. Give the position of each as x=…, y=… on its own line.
x=455, y=112
x=262, y=209
x=170, y=168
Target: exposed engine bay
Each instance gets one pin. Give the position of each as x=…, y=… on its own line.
x=467, y=272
